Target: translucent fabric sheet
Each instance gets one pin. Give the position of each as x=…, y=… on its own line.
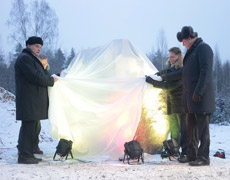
x=97, y=102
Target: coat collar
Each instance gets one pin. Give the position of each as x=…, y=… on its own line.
x=194, y=45
x=29, y=51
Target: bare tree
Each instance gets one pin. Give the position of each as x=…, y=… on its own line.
x=19, y=21
x=44, y=22
x=162, y=42
x=162, y=47
x=35, y=19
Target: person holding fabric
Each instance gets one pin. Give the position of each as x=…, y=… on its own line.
x=31, y=97
x=175, y=105
x=44, y=60
x=198, y=92
x=37, y=150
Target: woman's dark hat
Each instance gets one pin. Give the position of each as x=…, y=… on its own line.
x=186, y=32
x=34, y=40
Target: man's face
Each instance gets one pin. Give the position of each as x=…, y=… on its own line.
x=187, y=43
x=36, y=49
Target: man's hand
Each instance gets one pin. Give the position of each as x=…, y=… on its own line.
x=196, y=97
x=148, y=79
x=55, y=77
x=158, y=73
x=154, y=77
x=163, y=78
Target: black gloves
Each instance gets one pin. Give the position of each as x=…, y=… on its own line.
x=196, y=97
x=163, y=78
x=158, y=73
x=148, y=79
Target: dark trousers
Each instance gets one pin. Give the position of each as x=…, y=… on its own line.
x=183, y=135
x=38, y=130
x=198, y=134
x=26, y=140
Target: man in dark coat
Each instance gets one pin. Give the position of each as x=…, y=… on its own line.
x=198, y=93
x=31, y=97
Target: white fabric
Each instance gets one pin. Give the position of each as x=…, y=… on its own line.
x=54, y=76
x=155, y=77
x=97, y=101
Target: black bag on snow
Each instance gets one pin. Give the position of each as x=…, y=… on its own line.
x=134, y=151
x=64, y=148
x=220, y=154
x=170, y=149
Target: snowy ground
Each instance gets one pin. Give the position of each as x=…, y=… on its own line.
x=154, y=167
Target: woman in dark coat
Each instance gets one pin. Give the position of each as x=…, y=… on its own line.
x=31, y=97
x=199, y=97
x=175, y=105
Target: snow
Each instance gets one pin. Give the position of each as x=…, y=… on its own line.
x=154, y=167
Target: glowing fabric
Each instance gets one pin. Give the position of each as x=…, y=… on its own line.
x=97, y=102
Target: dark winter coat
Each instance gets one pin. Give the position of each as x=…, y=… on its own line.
x=31, y=87
x=197, y=78
x=174, y=92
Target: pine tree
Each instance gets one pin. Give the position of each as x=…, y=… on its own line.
x=70, y=58
x=10, y=80
x=226, y=78
x=217, y=73
x=57, y=62
x=3, y=68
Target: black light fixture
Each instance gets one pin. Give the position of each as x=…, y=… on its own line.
x=64, y=148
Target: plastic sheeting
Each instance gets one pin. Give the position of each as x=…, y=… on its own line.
x=97, y=102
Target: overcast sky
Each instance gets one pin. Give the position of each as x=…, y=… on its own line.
x=90, y=23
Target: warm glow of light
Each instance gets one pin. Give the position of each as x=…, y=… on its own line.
x=160, y=127
x=154, y=126
x=128, y=132
x=122, y=119
x=154, y=108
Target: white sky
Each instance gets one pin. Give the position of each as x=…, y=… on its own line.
x=90, y=23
